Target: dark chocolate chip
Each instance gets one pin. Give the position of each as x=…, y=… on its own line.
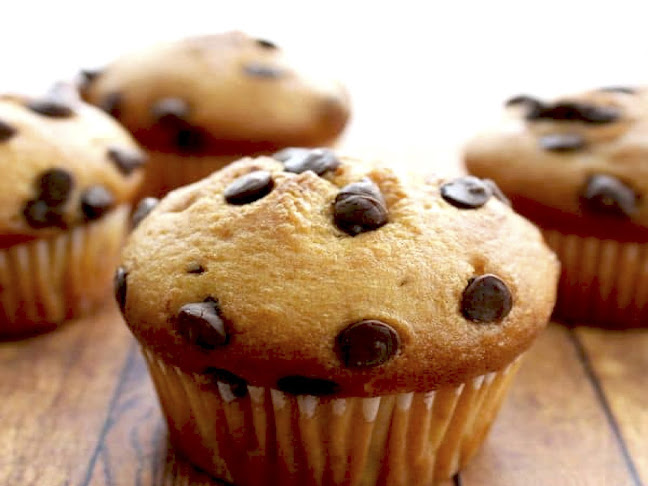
x=89, y=75
x=496, y=191
x=360, y=207
x=303, y=385
x=467, y=192
x=112, y=104
x=126, y=159
x=96, y=201
x=195, y=268
x=619, y=89
x=53, y=107
x=54, y=187
x=200, y=323
x=266, y=44
x=531, y=105
x=562, y=142
x=574, y=111
x=607, y=195
x=6, y=131
x=262, y=71
x=486, y=299
x=318, y=160
x=119, y=287
x=237, y=384
x=170, y=111
x=249, y=188
x=287, y=153
x=40, y=215
x=367, y=343
x=144, y=207
x=190, y=140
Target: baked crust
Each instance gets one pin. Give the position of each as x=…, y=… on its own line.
x=287, y=280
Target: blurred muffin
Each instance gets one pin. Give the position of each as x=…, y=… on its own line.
x=199, y=103
x=69, y=173
x=578, y=167
x=333, y=323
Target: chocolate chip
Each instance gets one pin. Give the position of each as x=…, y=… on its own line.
x=263, y=71
x=360, y=207
x=367, y=343
x=39, y=214
x=200, y=323
x=112, y=104
x=607, y=195
x=190, y=140
x=467, y=192
x=89, y=75
x=52, y=107
x=195, y=268
x=54, y=187
x=249, y=188
x=531, y=105
x=144, y=207
x=619, y=89
x=562, y=142
x=266, y=44
x=237, y=384
x=317, y=160
x=6, y=131
x=119, y=287
x=96, y=201
x=126, y=159
x=170, y=111
x=574, y=111
x=303, y=385
x=496, y=191
x=287, y=153
x=486, y=299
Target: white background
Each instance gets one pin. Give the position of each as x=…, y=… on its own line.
x=423, y=75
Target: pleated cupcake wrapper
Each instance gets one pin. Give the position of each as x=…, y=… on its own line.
x=269, y=437
x=603, y=282
x=165, y=172
x=46, y=281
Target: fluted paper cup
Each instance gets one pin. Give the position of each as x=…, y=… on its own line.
x=247, y=436
x=603, y=282
x=46, y=281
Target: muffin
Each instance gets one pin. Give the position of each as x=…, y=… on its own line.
x=577, y=167
x=199, y=103
x=336, y=323
x=69, y=173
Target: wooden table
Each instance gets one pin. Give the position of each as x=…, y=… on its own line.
x=78, y=407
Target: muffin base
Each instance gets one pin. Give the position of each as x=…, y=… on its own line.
x=603, y=282
x=45, y=281
x=165, y=172
x=408, y=439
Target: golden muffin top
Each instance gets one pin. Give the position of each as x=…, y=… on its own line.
x=324, y=275
x=219, y=94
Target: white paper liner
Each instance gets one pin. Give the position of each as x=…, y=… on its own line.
x=45, y=281
x=408, y=439
x=603, y=282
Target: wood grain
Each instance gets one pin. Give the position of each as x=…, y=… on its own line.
x=619, y=362
x=552, y=429
x=56, y=391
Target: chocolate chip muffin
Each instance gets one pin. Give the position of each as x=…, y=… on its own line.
x=577, y=167
x=69, y=173
x=199, y=103
x=332, y=322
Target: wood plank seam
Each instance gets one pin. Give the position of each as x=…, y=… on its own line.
x=457, y=480
x=602, y=398
x=130, y=359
